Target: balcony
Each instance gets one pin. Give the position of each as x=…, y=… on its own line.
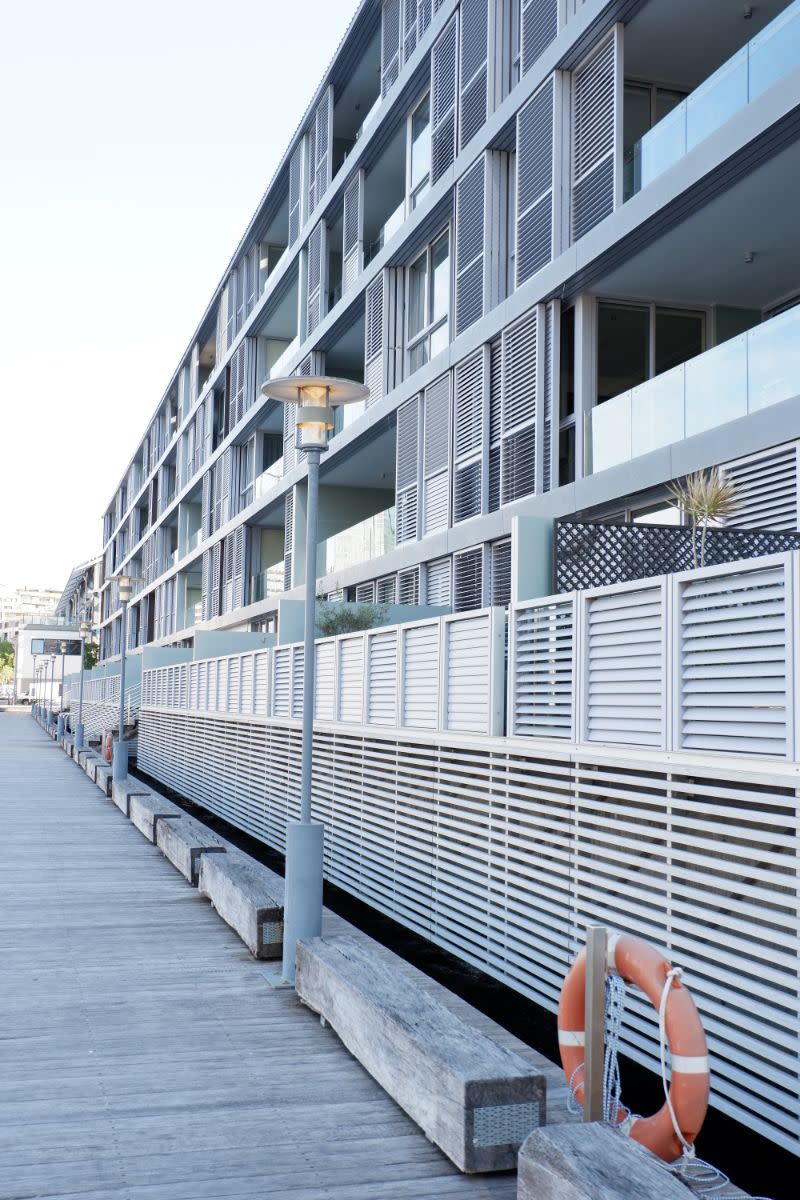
x=268, y=479
x=773, y=53
x=266, y=583
x=367, y=540
x=741, y=376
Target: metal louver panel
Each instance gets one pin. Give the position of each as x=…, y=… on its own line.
x=542, y=691
x=288, y=539
x=625, y=666
x=473, y=68
x=595, y=153
x=468, y=579
x=323, y=143
x=386, y=590
x=501, y=572
x=282, y=682
x=390, y=43
x=407, y=470
x=443, y=101
x=436, y=455
x=352, y=231
x=539, y=27
x=317, y=277
x=420, y=659
x=374, y=334
x=550, y=384
x=535, y=183
x=205, y=510
x=469, y=403
x=766, y=489
x=438, y=579
x=382, y=678
x=408, y=586
x=470, y=285
x=295, y=193
x=735, y=661
x=238, y=540
x=365, y=592
x=410, y=30
x=518, y=409
x=467, y=669
x=325, y=682
x=351, y=680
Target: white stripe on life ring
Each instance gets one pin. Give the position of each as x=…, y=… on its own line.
x=611, y=952
x=571, y=1037
x=689, y=1064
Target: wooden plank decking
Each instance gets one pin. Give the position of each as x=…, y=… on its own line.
x=142, y=1054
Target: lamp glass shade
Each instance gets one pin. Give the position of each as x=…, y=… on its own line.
x=125, y=585
x=63, y=647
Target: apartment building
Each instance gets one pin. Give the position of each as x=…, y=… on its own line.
x=557, y=240
x=19, y=606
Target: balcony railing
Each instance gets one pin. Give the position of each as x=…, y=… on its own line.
x=741, y=376
x=743, y=78
x=266, y=583
x=267, y=480
x=360, y=543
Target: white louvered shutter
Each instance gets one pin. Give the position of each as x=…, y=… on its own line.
x=407, y=472
x=735, y=660
x=391, y=43
x=542, y=670
x=382, y=678
x=538, y=28
x=323, y=144
x=351, y=680
x=374, y=340
x=282, y=681
x=289, y=449
x=596, y=154
x=206, y=585
x=317, y=303
x=625, y=667
x=535, y=183
x=495, y=421
x=417, y=18
x=468, y=579
x=467, y=669
x=470, y=382
x=766, y=489
x=518, y=409
x=436, y=456
x=223, y=499
x=420, y=673
x=473, y=73
x=222, y=334
x=470, y=258
x=443, y=100
x=325, y=686
x=206, y=516
x=365, y=592
x=552, y=321
x=239, y=555
x=353, y=231
x=386, y=590
x=209, y=427
x=438, y=579
x=295, y=193
x=500, y=564
x=288, y=539
x=408, y=586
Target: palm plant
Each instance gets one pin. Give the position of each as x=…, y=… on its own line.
x=707, y=498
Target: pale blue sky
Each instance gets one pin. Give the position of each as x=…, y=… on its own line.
x=136, y=140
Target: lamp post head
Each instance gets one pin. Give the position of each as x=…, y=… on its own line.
x=315, y=397
x=125, y=587
x=64, y=647
x=86, y=629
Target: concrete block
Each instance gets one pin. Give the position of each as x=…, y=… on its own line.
x=473, y=1097
x=121, y=792
x=88, y=761
x=591, y=1162
x=102, y=777
x=248, y=897
x=184, y=842
x=145, y=812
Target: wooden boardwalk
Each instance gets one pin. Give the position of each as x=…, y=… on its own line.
x=142, y=1054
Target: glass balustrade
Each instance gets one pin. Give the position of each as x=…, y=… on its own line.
x=743, y=78
x=266, y=583
x=741, y=376
x=366, y=540
x=268, y=479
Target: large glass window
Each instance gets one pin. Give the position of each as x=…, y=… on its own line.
x=428, y=307
x=645, y=105
x=636, y=342
x=419, y=152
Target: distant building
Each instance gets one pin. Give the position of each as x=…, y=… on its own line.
x=20, y=605
x=79, y=600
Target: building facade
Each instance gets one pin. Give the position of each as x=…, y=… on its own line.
x=556, y=240
x=18, y=606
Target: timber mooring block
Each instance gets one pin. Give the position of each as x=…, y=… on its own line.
x=184, y=842
x=472, y=1097
x=591, y=1162
x=248, y=897
x=146, y=811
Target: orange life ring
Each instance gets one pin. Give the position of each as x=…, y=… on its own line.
x=108, y=747
x=640, y=964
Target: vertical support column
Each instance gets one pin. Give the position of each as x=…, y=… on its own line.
x=596, y=951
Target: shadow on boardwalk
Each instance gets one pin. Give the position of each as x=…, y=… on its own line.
x=142, y=1054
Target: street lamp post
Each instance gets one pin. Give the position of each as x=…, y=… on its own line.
x=119, y=768
x=60, y=729
x=85, y=631
x=50, y=713
x=315, y=397
x=34, y=696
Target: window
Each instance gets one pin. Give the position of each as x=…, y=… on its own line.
x=645, y=105
x=419, y=152
x=637, y=342
x=428, y=330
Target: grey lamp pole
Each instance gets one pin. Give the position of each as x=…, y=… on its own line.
x=85, y=630
x=61, y=700
x=34, y=693
x=302, y=910
x=52, y=683
x=119, y=767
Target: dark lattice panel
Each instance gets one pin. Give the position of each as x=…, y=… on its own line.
x=588, y=555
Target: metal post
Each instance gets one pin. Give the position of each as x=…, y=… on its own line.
x=79, y=729
x=52, y=687
x=63, y=668
x=596, y=951
x=119, y=766
x=303, y=890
